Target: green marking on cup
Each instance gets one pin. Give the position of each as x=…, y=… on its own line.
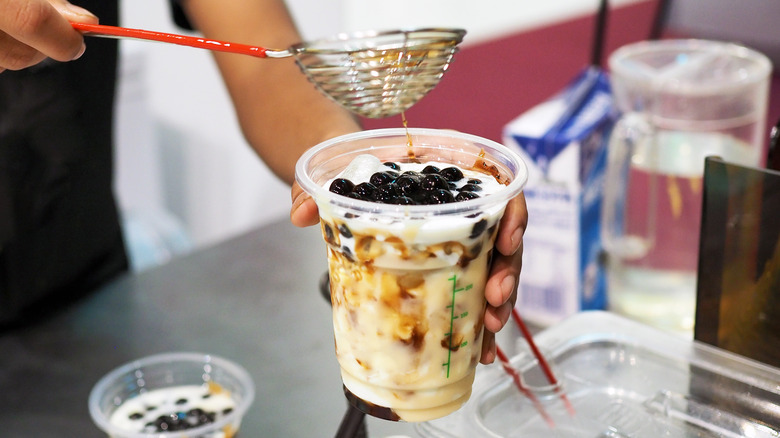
x=453, y=317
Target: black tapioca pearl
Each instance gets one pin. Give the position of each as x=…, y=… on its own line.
x=451, y=174
x=478, y=228
x=474, y=181
x=181, y=401
x=345, y=231
x=408, y=184
x=434, y=182
x=365, y=190
x=430, y=169
x=165, y=423
x=381, y=178
x=440, y=196
x=135, y=416
x=198, y=417
x=392, y=165
x=420, y=197
x=403, y=200
x=226, y=411
x=328, y=233
x=465, y=196
x=348, y=253
x=354, y=195
x=341, y=186
x=385, y=193
x=470, y=188
x=413, y=174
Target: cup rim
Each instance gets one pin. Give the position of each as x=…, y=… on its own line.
x=759, y=70
x=102, y=421
x=319, y=192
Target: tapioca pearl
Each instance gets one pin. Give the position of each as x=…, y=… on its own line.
x=440, y=196
x=382, y=178
x=471, y=188
x=430, y=169
x=434, y=182
x=452, y=174
x=348, y=253
x=341, y=186
x=408, y=184
x=328, y=233
x=344, y=231
x=478, y=228
x=403, y=200
x=386, y=193
x=392, y=165
x=365, y=190
x=474, y=181
x=465, y=196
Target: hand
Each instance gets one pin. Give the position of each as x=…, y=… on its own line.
x=501, y=288
x=32, y=30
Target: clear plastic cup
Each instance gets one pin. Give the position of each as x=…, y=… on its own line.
x=172, y=385
x=407, y=281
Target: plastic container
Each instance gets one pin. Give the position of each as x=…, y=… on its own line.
x=220, y=384
x=408, y=281
x=624, y=379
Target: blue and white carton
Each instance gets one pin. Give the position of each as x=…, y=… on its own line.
x=564, y=142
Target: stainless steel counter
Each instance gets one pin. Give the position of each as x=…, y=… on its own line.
x=253, y=299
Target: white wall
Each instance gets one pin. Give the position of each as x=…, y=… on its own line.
x=180, y=150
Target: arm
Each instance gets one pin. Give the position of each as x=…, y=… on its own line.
x=32, y=30
x=280, y=112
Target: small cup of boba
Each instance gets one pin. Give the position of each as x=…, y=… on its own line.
x=173, y=394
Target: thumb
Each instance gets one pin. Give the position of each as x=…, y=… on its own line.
x=73, y=12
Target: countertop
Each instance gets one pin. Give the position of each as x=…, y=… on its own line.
x=253, y=299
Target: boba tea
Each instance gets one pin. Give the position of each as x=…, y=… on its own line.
x=409, y=233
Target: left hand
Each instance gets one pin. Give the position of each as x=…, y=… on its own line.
x=501, y=288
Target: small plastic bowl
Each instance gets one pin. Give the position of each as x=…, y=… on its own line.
x=211, y=377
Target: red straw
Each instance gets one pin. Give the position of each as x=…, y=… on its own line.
x=542, y=361
x=519, y=383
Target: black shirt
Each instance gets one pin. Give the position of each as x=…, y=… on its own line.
x=60, y=233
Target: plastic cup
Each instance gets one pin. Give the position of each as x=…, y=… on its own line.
x=407, y=281
x=172, y=384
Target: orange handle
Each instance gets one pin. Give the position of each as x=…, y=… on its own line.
x=182, y=40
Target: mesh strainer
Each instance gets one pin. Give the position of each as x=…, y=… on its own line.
x=374, y=74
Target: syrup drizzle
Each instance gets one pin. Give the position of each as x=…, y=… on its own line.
x=409, y=145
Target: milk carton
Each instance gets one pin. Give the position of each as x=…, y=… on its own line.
x=564, y=141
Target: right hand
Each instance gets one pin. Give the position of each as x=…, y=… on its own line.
x=32, y=30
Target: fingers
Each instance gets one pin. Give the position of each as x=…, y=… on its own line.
x=31, y=30
x=303, y=212
x=501, y=287
x=488, y=348
x=512, y=226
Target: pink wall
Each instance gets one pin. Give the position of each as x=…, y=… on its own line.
x=491, y=83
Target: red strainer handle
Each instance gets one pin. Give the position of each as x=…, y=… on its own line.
x=183, y=40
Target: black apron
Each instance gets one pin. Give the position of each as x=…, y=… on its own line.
x=60, y=233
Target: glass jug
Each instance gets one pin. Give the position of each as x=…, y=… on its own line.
x=681, y=101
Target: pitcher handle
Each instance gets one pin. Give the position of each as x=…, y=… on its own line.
x=632, y=133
